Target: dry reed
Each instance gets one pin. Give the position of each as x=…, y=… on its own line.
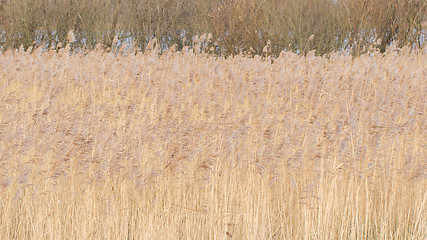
x=187, y=146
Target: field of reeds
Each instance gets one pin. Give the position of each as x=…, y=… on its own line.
x=95, y=145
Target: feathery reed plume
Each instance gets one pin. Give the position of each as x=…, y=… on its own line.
x=70, y=36
x=115, y=40
x=151, y=45
x=309, y=39
x=267, y=49
x=209, y=37
x=202, y=38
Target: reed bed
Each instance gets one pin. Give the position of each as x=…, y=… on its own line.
x=189, y=146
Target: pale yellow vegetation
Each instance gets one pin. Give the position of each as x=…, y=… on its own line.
x=187, y=146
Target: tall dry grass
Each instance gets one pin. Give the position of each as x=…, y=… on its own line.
x=188, y=146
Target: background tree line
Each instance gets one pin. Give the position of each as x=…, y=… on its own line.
x=236, y=25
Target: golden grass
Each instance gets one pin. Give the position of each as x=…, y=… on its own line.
x=189, y=146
